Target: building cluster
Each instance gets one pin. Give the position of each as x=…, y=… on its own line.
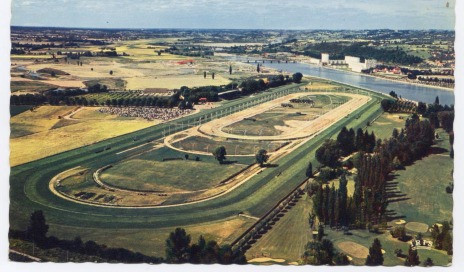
x=353, y=63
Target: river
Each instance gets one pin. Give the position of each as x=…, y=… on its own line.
x=405, y=90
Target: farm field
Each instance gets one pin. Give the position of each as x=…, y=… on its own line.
x=29, y=86
x=139, y=69
x=41, y=133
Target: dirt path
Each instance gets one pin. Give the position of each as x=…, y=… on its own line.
x=25, y=255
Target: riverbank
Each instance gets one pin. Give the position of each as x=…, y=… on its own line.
x=407, y=90
x=384, y=78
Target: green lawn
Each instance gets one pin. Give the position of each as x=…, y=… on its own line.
x=384, y=125
x=147, y=175
x=288, y=237
x=424, y=184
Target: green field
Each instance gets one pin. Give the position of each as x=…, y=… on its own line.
x=384, y=125
x=424, y=186
x=233, y=147
x=29, y=185
x=146, y=175
x=288, y=237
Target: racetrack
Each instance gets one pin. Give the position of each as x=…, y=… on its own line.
x=29, y=183
x=303, y=130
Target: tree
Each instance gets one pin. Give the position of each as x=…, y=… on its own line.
x=359, y=140
x=262, y=157
x=387, y=104
x=329, y=153
x=428, y=262
x=111, y=72
x=412, y=259
x=297, y=77
x=204, y=74
x=220, y=154
x=178, y=247
x=230, y=69
x=258, y=69
x=309, y=170
x=421, y=108
x=446, y=119
x=346, y=141
x=319, y=252
x=437, y=101
x=342, y=201
x=186, y=156
x=320, y=232
x=212, y=75
x=375, y=256
x=341, y=259
x=37, y=229
x=399, y=233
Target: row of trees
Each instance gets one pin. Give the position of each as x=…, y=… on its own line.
x=370, y=197
x=331, y=205
x=401, y=106
x=179, y=249
x=251, y=86
x=374, y=162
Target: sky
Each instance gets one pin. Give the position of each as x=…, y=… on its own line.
x=237, y=14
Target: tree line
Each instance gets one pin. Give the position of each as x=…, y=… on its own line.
x=179, y=249
x=183, y=98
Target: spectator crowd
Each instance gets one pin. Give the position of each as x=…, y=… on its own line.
x=148, y=113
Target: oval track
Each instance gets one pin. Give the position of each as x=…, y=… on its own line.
x=29, y=183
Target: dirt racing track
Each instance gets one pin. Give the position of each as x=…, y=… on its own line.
x=215, y=128
x=253, y=193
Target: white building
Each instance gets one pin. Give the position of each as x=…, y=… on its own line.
x=355, y=64
x=325, y=59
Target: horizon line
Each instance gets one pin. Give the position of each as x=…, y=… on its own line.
x=204, y=28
